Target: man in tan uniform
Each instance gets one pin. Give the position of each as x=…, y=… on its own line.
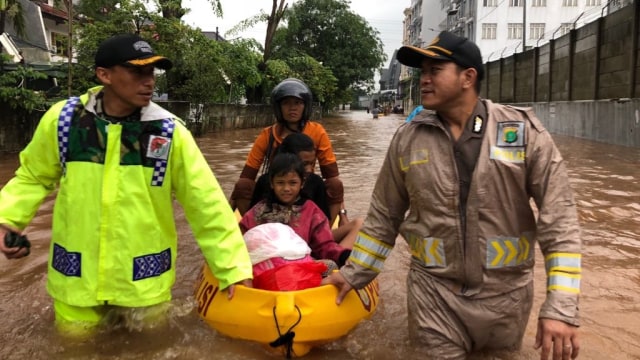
x=456, y=184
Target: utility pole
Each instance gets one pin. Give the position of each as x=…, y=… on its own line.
x=69, y=44
x=524, y=25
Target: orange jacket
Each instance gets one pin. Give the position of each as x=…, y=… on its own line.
x=324, y=151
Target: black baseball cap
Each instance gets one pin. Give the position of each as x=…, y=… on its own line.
x=129, y=50
x=447, y=47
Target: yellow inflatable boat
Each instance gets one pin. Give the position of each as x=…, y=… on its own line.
x=288, y=322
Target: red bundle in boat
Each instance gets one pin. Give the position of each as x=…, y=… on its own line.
x=292, y=276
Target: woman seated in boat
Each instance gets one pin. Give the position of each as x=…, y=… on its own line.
x=287, y=204
x=313, y=188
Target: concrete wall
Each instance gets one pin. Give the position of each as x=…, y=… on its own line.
x=610, y=121
x=16, y=129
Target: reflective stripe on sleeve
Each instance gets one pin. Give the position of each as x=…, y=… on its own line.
x=564, y=282
x=566, y=262
x=369, y=252
x=564, y=272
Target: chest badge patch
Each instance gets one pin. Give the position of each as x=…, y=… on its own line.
x=511, y=134
x=158, y=147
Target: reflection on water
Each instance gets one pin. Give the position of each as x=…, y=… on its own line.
x=606, y=180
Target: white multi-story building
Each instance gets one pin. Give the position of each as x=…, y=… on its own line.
x=499, y=26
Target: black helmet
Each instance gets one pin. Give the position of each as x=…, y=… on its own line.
x=296, y=88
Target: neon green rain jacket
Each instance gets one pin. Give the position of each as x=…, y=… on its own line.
x=114, y=237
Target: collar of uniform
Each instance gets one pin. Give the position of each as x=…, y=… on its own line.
x=470, y=131
x=150, y=112
x=481, y=112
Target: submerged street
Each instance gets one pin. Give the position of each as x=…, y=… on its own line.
x=605, y=179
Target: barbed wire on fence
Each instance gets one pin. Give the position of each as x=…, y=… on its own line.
x=578, y=21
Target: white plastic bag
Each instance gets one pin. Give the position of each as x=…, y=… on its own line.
x=272, y=240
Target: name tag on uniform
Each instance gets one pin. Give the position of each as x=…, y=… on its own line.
x=158, y=147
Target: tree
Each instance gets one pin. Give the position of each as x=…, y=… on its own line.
x=14, y=92
x=240, y=60
x=203, y=69
x=321, y=81
x=341, y=40
x=279, y=7
x=172, y=9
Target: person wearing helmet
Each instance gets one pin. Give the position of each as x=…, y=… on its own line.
x=291, y=100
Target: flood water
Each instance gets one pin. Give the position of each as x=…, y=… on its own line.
x=606, y=181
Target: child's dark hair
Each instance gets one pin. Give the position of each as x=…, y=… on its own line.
x=284, y=163
x=296, y=142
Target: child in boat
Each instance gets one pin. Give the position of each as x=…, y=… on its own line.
x=287, y=204
x=313, y=188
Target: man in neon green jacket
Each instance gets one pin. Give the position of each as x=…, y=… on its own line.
x=119, y=159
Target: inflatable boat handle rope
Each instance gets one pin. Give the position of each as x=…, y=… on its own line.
x=285, y=339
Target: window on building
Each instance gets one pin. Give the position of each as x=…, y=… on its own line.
x=539, y=3
x=490, y=3
x=471, y=30
x=515, y=2
x=489, y=31
x=593, y=2
x=514, y=31
x=536, y=31
x=59, y=42
x=565, y=28
x=569, y=2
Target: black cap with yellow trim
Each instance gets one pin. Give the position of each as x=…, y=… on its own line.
x=447, y=47
x=129, y=50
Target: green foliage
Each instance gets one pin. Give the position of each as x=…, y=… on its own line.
x=13, y=89
x=204, y=70
x=209, y=71
x=248, y=23
x=196, y=75
x=240, y=61
x=341, y=40
x=319, y=78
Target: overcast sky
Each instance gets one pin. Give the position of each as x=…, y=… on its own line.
x=385, y=16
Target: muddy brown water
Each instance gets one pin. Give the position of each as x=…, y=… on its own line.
x=605, y=178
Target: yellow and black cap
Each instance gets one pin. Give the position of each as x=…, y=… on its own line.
x=129, y=50
x=447, y=47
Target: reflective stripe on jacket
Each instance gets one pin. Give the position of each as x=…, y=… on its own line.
x=518, y=161
x=114, y=238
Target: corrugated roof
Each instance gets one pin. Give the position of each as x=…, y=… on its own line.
x=50, y=10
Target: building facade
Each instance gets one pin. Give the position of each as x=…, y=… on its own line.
x=500, y=28
x=503, y=27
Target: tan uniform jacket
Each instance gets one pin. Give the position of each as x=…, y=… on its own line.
x=417, y=195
